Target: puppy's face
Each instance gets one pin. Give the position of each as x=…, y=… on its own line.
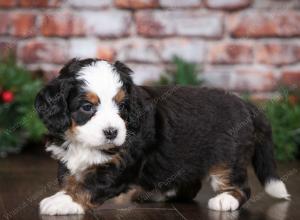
x=95, y=112
x=92, y=95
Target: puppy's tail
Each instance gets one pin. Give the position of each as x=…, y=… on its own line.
x=263, y=160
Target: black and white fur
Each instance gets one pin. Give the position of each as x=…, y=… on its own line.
x=168, y=139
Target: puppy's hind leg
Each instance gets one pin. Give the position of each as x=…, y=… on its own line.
x=230, y=184
x=143, y=196
x=187, y=192
x=183, y=193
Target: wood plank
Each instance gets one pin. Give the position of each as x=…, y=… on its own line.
x=25, y=180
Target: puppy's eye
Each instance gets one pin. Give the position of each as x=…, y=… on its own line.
x=87, y=107
x=122, y=105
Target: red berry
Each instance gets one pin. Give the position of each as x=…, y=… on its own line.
x=7, y=96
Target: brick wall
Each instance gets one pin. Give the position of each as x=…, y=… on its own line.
x=240, y=44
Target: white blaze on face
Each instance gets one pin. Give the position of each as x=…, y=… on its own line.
x=104, y=81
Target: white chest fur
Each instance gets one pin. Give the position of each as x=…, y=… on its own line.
x=77, y=157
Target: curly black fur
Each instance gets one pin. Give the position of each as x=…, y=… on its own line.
x=175, y=136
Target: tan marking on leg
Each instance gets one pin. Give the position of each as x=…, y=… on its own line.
x=143, y=196
x=75, y=189
x=124, y=198
x=220, y=177
x=239, y=195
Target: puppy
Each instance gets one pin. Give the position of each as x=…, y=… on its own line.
x=110, y=134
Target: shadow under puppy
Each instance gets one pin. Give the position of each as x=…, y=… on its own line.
x=110, y=134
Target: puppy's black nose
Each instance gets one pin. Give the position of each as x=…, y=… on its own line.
x=110, y=133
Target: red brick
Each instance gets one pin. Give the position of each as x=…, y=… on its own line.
x=291, y=77
x=7, y=3
x=62, y=25
x=40, y=3
x=139, y=50
x=228, y=4
x=180, y=3
x=187, y=49
x=278, y=53
x=155, y=51
x=6, y=48
x=277, y=5
x=265, y=24
x=241, y=78
x=92, y=4
x=83, y=47
x=184, y=23
x=107, y=24
x=254, y=79
x=39, y=51
x=4, y=23
x=230, y=53
x=136, y=4
x=106, y=53
x=146, y=74
x=23, y=25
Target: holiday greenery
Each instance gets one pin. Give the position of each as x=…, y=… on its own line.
x=284, y=116
x=18, y=120
x=185, y=73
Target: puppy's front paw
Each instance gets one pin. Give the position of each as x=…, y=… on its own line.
x=223, y=202
x=60, y=204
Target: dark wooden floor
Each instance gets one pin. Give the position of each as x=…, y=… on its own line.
x=26, y=179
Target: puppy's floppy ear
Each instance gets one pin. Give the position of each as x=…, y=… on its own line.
x=133, y=107
x=51, y=106
x=125, y=74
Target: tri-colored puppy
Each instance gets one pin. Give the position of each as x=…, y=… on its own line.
x=110, y=134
